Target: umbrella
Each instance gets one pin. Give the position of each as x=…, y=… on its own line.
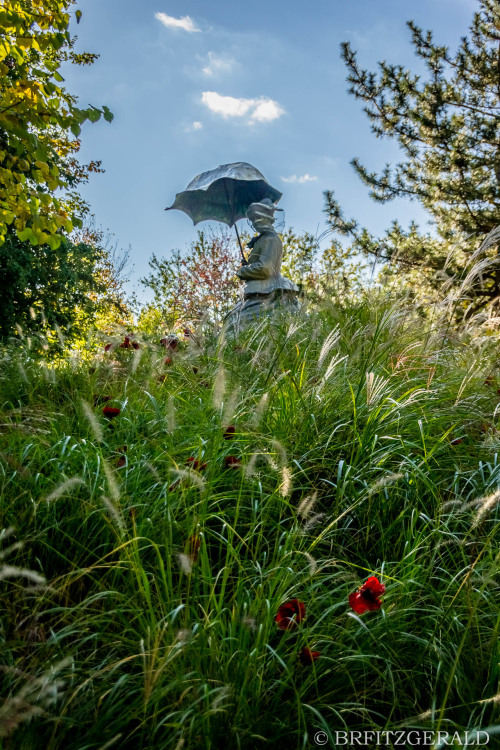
x=224, y=194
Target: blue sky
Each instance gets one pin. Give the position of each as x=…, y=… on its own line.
x=196, y=84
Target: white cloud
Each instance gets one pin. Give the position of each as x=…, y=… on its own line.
x=217, y=64
x=258, y=110
x=185, y=23
x=267, y=110
x=303, y=178
x=197, y=125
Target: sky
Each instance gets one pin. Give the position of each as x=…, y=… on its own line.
x=194, y=84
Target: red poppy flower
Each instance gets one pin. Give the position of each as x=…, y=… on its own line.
x=195, y=369
x=122, y=449
x=107, y=347
x=125, y=343
x=195, y=464
x=366, y=598
x=307, y=656
x=136, y=345
x=289, y=614
x=187, y=332
x=231, y=461
x=456, y=441
x=110, y=412
x=121, y=461
x=168, y=361
x=99, y=399
x=229, y=432
x=489, y=380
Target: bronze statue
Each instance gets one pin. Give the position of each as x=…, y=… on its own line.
x=265, y=289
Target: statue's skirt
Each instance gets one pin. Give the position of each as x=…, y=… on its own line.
x=256, y=305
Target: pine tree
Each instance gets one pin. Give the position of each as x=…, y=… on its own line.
x=447, y=125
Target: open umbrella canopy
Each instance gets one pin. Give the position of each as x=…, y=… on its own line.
x=224, y=194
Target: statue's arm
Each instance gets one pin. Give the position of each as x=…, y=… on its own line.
x=264, y=267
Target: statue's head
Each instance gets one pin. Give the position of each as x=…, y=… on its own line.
x=261, y=215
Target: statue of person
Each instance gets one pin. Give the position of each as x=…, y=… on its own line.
x=265, y=289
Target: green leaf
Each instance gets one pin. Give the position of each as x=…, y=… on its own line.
x=53, y=241
x=58, y=76
x=75, y=129
x=93, y=114
x=28, y=234
x=108, y=116
x=78, y=15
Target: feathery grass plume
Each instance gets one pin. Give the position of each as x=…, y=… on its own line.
x=170, y=414
x=94, y=423
x=60, y=336
x=313, y=565
x=491, y=240
x=33, y=699
x=10, y=571
x=312, y=522
x=306, y=505
x=114, y=513
x=112, y=483
x=261, y=354
x=22, y=470
x=48, y=373
x=136, y=358
x=328, y=344
x=65, y=488
x=286, y=484
x=185, y=563
x=220, y=695
x=260, y=409
x=192, y=476
x=19, y=330
x=249, y=470
x=230, y=406
x=152, y=470
x=22, y=372
x=280, y=451
x=374, y=387
x=453, y=504
x=493, y=699
x=471, y=374
x=485, y=504
x=336, y=360
x=383, y=482
x=219, y=388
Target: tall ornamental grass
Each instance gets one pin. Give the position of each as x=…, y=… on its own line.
x=160, y=504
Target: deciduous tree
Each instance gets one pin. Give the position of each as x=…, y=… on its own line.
x=39, y=122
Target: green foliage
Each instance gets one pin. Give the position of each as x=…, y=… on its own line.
x=39, y=122
x=368, y=446
x=447, y=126
x=199, y=284
x=70, y=288
x=52, y=283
